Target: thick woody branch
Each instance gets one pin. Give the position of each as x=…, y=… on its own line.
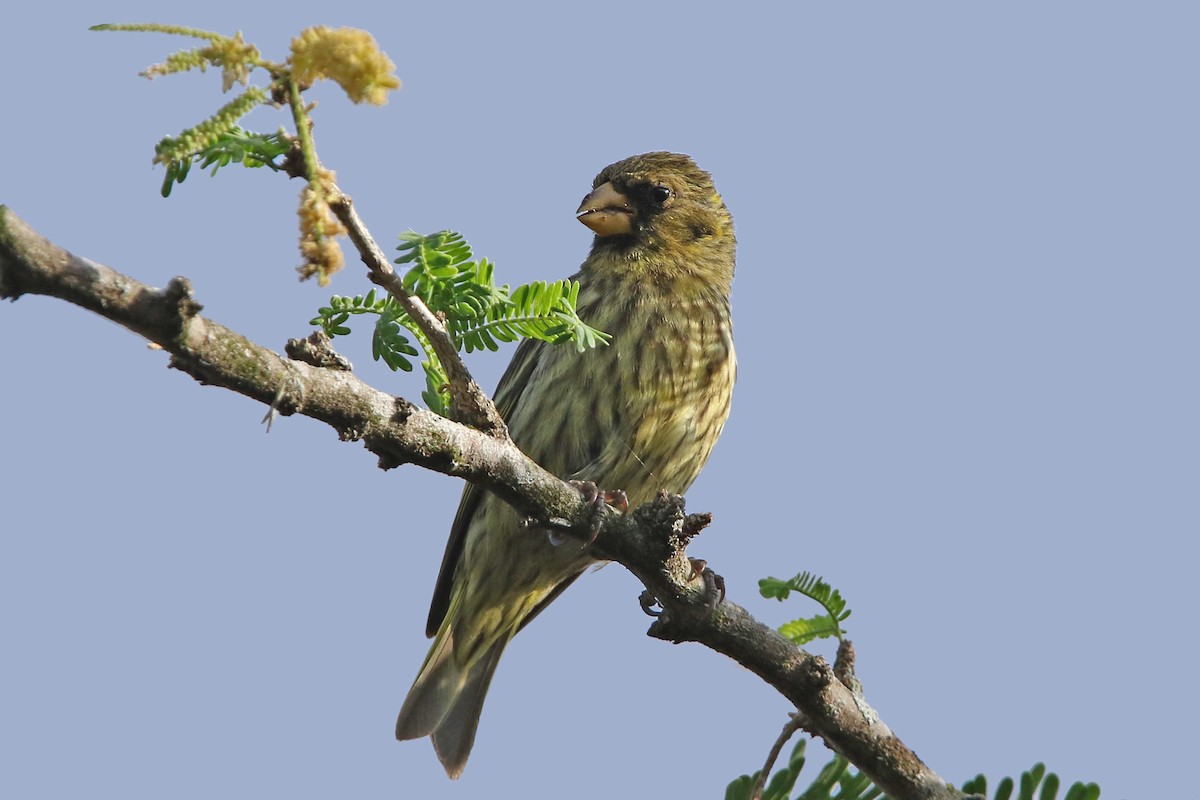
x=651, y=542
x=653, y=550
x=392, y=428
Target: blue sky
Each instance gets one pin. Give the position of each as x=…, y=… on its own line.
x=966, y=323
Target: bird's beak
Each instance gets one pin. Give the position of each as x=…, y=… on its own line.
x=606, y=211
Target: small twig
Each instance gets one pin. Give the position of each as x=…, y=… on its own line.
x=793, y=724
x=468, y=402
x=843, y=667
x=317, y=350
x=307, y=148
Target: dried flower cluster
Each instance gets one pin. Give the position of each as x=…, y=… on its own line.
x=319, y=230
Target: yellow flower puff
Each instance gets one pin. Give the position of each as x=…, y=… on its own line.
x=350, y=57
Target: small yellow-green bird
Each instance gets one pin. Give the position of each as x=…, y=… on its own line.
x=641, y=414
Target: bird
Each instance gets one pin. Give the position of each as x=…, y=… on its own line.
x=641, y=415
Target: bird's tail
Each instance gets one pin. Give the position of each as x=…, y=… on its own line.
x=446, y=699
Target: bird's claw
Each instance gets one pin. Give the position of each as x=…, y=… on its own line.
x=617, y=499
x=598, y=498
x=714, y=584
x=587, y=489
x=714, y=589
x=648, y=601
x=591, y=495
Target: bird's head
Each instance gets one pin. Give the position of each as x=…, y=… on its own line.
x=660, y=211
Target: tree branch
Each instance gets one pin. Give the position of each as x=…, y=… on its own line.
x=468, y=402
x=651, y=542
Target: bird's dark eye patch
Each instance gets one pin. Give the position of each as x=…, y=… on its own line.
x=661, y=194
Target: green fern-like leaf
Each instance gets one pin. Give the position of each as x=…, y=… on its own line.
x=803, y=631
x=198, y=138
x=478, y=314
x=388, y=341
x=584, y=336
x=331, y=318
x=739, y=788
x=835, y=781
x=1029, y=783
x=438, y=261
x=391, y=346
x=827, y=779
x=250, y=149
x=443, y=274
x=1083, y=791
x=780, y=786
x=235, y=146
x=838, y=781
x=436, y=395
x=537, y=310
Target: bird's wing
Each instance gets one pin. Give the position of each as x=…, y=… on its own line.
x=508, y=393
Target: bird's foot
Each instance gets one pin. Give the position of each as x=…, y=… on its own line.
x=714, y=584
x=617, y=500
x=714, y=590
x=598, y=498
x=648, y=601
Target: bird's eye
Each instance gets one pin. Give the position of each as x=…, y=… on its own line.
x=661, y=194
